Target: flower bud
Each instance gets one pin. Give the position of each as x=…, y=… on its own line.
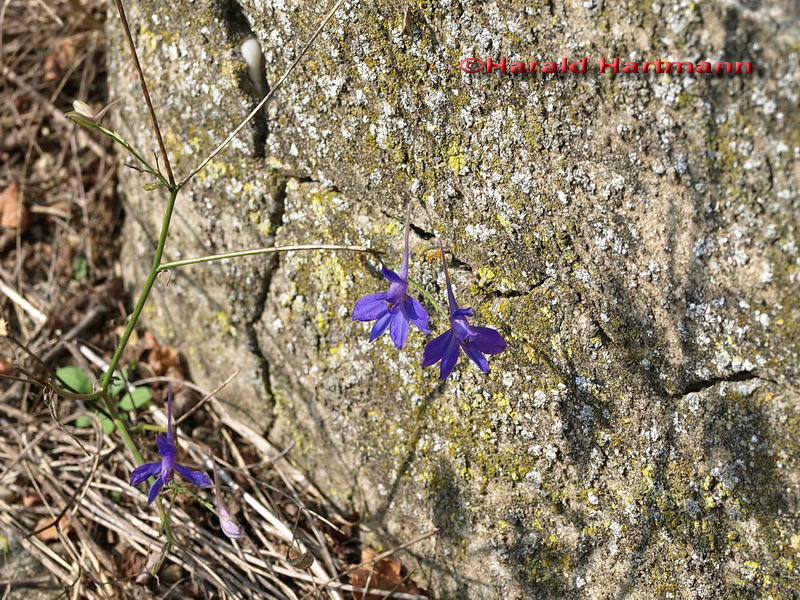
x=230, y=526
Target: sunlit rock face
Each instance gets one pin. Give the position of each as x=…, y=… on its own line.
x=633, y=236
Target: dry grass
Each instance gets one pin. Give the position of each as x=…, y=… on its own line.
x=62, y=300
x=107, y=536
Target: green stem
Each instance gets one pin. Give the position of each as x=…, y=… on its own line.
x=143, y=84
x=256, y=251
x=429, y=297
x=148, y=285
x=62, y=392
x=202, y=501
x=126, y=437
x=111, y=409
x=89, y=124
x=165, y=515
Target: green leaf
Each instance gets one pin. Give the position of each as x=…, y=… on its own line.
x=108, y=424
x=138, y=398
x=86, y=421
x=80, y=268
x=83, y=421
x=119, y=382
x=75, y=379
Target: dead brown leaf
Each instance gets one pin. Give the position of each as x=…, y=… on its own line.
x=163, y=360
x=131, y=562
x=51, y=533
x=62, y=55
x=29, y=500
x=13, y=213
x=384, y=574
x=6, y=366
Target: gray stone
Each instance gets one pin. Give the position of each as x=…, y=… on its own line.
x=633, y=236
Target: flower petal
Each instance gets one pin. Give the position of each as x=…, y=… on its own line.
x=449, y=359
x=392, y=276
x=197, y=478
x=165, y=447
x=144, y=472
x=416, y=313
x=380, y=326
x=488, y=340
x=461, y=312
x=477, y=357
x=434, y=350
x=154, y=490
x=370, y=307
x=398, y=328
x=229, y=525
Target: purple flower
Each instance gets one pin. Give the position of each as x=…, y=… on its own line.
x=474, y=341
x=394, y=308
x=166, y=467
x=228, y=523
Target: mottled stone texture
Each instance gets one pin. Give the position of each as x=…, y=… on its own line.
x=634, y=237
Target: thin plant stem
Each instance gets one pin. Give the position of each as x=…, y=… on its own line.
x=429, y=297
x=148, y=285
x=124, y=20
x=256, y=251
x=266, y=98
x=129, y=443
x=189, y=492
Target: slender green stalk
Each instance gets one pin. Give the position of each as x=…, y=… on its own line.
x=189, y=492
x=84, y=121
x=62, y=392
x=429, y=297
x=148, y=285
x=129, y=443
x=256, y=251
x=143, y=84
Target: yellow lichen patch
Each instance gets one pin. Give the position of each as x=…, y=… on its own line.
x=322, y=323
x=223, y=322
x=455, y=158
x=392, y=228
x=174, y=147
x=647, y=473
x=214, y=170
x=485, y=275
x=265, y=229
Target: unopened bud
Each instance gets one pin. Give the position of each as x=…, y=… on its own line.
x=230, y=526
x=83, y=109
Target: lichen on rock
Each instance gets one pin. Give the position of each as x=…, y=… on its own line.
x=633, y=237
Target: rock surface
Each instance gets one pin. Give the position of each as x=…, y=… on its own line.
x=634, y=237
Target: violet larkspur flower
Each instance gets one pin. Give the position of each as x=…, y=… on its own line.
x=474, y=341
x=228, y=523
x=166, y=467
x=393, y=308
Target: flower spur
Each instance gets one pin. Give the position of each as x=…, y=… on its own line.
x=393, y=308
x=474, y=341
x=166, y=467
